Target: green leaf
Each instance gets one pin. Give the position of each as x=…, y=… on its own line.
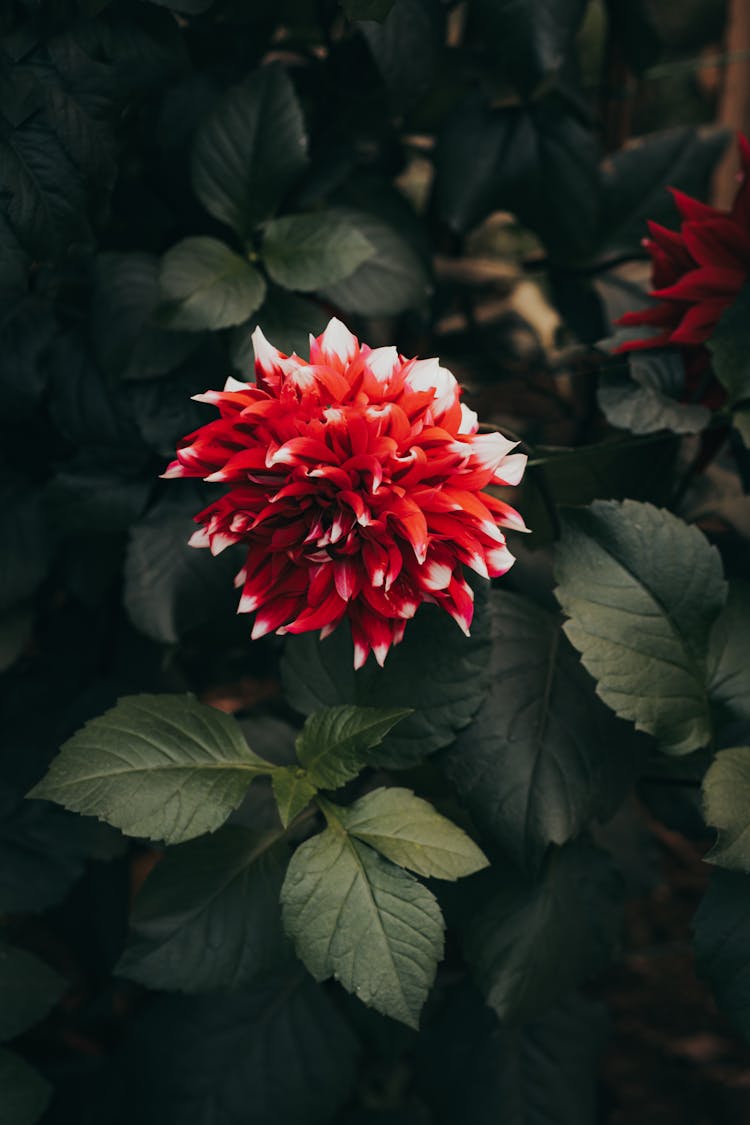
x=129, y=344
x=472, y=1068
x=635, y=180
x=367, y=9
x=531, y=942
x=287, y=321
x=649, y=400
x=208, y=915
x=307, y=252
x=730, y=356
x=411, y=833
x=276, y=1052
x=334, y=743
x=25, y=549
x=436, y=671
x=28, y=990
x=16, y=626
x=729, y=669
x=26, y=1094
x=532, y=39
x=172, y=589
x=726, y=797
x=250, y=150
x=642, y=590
x=544, y=757
x=407, y=47
x=722, y=940
x=293, y=791
x=360, y=919
x=393, y=278
x=162, y=766
x=207, y=286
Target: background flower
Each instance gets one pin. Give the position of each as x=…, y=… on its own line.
x=356, y=482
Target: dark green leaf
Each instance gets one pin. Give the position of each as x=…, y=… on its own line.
x=635, y=181
x=207, y=285
x=436, y=671
x=642, y=591
x=411, y=833
x=99, y=492
x=307, y=252
x=367, y=9
x=729, y=669
x=730, y=353
x=250, y=151
x=293, y=791
x=25, y=550
x=726, y=796
x=279, y=1052
x=360, y=919
x=334, y=743
x=26, y=1094
x=471, y=1068
x=14, y=261
x=649, y=400
x=15, y=630
x=722, y=941
x=27, y=330
x=127, y=341
x=531, y=942
x=544, y=757
x=42, y=191
x=532, y=39
x=287, y=321
x=28, y=990
x=406, y=46
x=208, y=916
x=162, y=766
x=171, y=588
x=393, y=278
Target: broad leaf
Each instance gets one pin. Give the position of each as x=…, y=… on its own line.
x=730, y=348
x=472, y=1068
x=531, y=942
x=411, y=833
x=277, y=1052
x=393, y=278
x=25, y=550
x=726, y=795
x=649, y=400
x=722, y=941
x=729, y=669
x=28, y=989
x=406, y=47
x=642, y=590
x=207, y=286
x=307, y=252
x=334, y=743
x=360, y=919
x=208, y=915
x=532, y=39
x=129, y=344
x=162, y=766
x=171, y=588
x=367, y=9
x=293, y=791
x=250, y=150
x=544, y=757
x=635, y=180
x=26, y=1094
x=287, y=321
x=436, y=671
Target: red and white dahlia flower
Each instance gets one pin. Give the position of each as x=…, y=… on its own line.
x=697, y=270
x=355, y=481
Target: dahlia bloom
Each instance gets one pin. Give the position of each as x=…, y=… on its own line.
x=698, y=270
x=355, y=482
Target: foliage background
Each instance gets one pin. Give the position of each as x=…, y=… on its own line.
x=456, y=178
